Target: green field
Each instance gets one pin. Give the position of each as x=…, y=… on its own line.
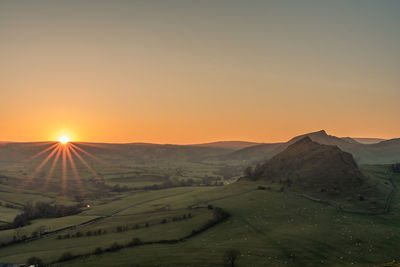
x=279, y=229
x=268, y=227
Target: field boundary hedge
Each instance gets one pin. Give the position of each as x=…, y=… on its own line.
x=220, y=216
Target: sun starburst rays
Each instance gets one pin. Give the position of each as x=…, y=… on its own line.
x=64, y=172
x=61, y=156
x=53, y=166
x=75, y=172
x=87, y=153
x=43, y=151
x=84, y=162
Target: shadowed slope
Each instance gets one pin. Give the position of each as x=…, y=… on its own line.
x=321, y=171
x=313, y=166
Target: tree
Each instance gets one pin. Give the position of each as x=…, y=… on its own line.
x=19, y=233
x=35, y=261
x=248, y=172
x=396, y=167
x=41, y=230
x=230, y=256
x=20, y=220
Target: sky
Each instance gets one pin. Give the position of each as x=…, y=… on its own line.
x=196, y=71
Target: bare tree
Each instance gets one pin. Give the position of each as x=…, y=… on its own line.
x=231, y=256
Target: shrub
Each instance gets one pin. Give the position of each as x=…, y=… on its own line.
x=43, y=210
x=396, y=167
x=135, y=241
x=98, y=251
x=66, y=256
x=220, y=215
x=20, y=220
x=115, y=246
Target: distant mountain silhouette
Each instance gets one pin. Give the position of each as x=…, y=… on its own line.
x=368, y=141
x=351, y=140
x=229, y=144
x=321, y=137
x=384, y=152
x=257, y=152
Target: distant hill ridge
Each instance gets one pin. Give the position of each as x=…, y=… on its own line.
x=368, y=141
x=384, y=152
x=229, y=144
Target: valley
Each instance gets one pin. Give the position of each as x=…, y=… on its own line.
x=142, y=204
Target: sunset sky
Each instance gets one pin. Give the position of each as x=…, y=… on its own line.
x=196, y=71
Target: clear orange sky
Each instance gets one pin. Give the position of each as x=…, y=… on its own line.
x=196, y=71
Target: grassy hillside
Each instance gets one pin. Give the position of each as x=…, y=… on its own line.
x=269, y=227
x=273, y=228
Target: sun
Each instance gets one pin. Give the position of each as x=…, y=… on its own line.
x=64, y=139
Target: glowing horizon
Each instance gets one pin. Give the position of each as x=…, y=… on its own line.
x=64, y=139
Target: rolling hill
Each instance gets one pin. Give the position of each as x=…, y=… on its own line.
x=229, y=144
x=15, y=152
x=368, y=141
x=322, y=171
x=225, y=152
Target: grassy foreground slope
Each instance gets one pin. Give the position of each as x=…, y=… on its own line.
x=148, y=215
x=273, y=228
x=269, y=227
